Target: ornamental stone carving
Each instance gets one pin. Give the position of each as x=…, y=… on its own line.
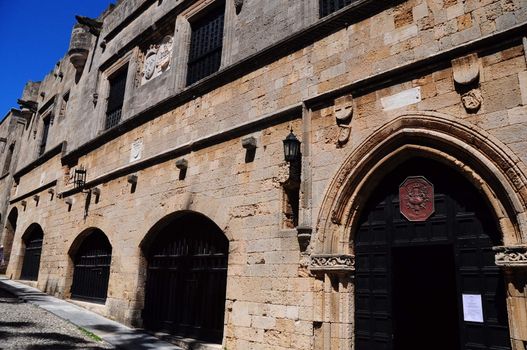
x=472, y=100
x=343, y=111
x=511, y=256
x=466, y=76
x=332, y=264
x=157, y=59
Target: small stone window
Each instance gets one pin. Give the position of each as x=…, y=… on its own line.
x=116, y=97
x=46, y=122
x=327, y=7
x=206, y=42
x=8, y=157
x=64, y=104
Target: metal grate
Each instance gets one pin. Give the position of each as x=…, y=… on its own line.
x=92, y=268
x=33, y=250
x=112, y=119
x=186, y=281
x=116, y=98
x=327, y=7
x=45, y=131
x=205, y=46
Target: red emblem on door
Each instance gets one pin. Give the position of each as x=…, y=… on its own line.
x=416, y=198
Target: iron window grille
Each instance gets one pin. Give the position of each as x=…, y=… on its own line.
x=116, y=98
x=45, y=131
x=327, y=7
x=206, y=42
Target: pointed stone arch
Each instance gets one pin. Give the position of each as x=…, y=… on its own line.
x=488, y=164
x=485, y=161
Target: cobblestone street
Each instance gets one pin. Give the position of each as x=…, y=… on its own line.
x=26, y=326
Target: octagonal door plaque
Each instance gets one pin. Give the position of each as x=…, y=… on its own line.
x=416, y=198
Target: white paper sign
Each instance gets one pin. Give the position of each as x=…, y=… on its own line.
x=472, y=308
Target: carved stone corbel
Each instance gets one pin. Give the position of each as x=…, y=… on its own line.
x=466, y=76
x=332, y=264
x=343, y=111
x=511, y=256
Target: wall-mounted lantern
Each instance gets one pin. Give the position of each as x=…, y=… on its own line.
x=292, y=184
x=291, y=148
x=79, y=179
x=293, y=157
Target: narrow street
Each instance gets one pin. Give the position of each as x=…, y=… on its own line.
x=26, y=326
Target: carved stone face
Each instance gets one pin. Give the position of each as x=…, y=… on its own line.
x=472, y=100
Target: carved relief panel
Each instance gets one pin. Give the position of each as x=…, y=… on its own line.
x=157, y=59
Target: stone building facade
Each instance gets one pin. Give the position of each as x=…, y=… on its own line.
x=144, y=178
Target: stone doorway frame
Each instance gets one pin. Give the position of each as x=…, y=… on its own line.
x=481, y=158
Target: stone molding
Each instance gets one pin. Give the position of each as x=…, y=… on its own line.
x=511, y=256
x=332, y=263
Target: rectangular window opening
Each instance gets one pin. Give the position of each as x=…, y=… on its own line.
x=45, y=130
x=116, y=98
x=206, y=42
x=327, y=7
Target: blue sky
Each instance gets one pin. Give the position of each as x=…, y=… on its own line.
x=34, y=35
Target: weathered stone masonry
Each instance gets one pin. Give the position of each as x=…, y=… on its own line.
x=364, y=89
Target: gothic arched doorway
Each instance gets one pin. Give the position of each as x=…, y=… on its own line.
x=432, y=283
x=187, y=278
x=33, y=249
x=92, y=268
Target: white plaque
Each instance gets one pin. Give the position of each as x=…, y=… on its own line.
x=472, y=308
x=136, y=150
x=401, y=99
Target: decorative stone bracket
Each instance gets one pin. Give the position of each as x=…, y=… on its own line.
x=511, y=256
x=332, y=263
x=304, y=237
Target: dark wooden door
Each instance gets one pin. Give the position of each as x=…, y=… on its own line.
x=92, y=268
x=33, y=250
x=186, y=280
x=407, y=273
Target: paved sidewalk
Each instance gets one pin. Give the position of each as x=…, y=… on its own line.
x=116, y=334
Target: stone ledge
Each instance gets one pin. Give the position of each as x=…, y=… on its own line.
x=511, y=256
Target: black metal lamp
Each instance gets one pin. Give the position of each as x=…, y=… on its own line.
x=79, y=180
x=291, y=148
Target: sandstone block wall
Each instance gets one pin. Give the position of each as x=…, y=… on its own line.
x=396, y=62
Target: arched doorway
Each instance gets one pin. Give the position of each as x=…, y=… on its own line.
x=9, y=234
x=33, y=248
x=186, y=278
x=432, y=283
x=91, y=270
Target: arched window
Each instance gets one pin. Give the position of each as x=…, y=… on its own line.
x=186, y=279
x=92, y=268
x=33, y=242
